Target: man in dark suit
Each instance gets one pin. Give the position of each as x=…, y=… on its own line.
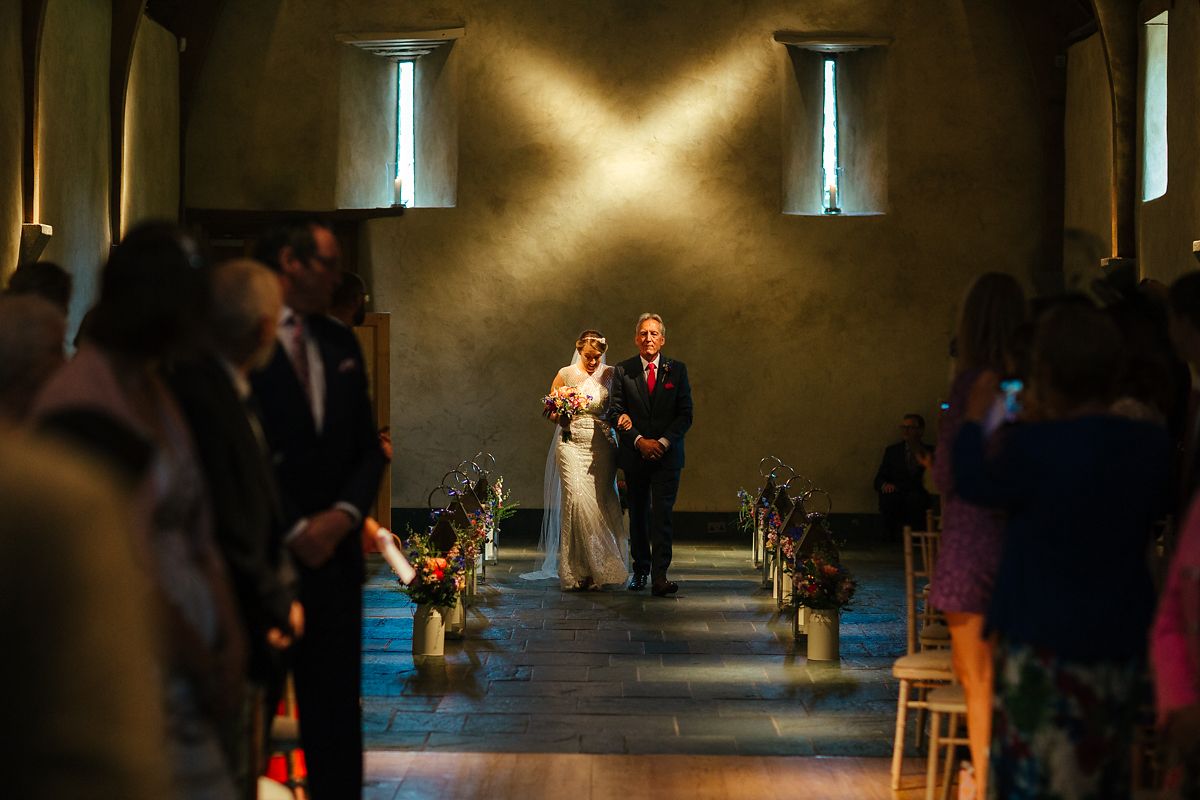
x=900, y=479
x=652, y=404
x=318, y=422
x=213, y=391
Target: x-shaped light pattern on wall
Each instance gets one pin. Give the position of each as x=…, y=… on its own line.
x=668, y=159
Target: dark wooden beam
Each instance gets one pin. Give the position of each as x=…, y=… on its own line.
x=126, y=19
x=237, y=223
x=33, y=19
x=1118, y=20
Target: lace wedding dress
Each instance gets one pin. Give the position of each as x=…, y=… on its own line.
x=592, y=540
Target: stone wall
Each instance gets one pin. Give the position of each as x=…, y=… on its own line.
x=617, y=157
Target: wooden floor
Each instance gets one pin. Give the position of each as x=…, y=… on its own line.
x=532, y=776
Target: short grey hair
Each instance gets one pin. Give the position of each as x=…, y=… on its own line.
x=244, y=292
x=662, y=326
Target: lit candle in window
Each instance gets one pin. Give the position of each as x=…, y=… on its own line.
x=398, y=191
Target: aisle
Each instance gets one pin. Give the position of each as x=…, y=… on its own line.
x=552, y=776
x=714, y=671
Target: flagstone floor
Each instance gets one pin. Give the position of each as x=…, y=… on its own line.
x=714, y=670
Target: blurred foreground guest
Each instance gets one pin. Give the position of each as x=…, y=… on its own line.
x=152, y=296
x=320, y=426
x=214, y=393
x=993, y=309
x=1175, y=656
x=1154, y=382
x=900, y=480
x=349, y=303
x=81, y=692
x=1183, y=314
x=1073, y=597
x=31, y=348
x=43, y=279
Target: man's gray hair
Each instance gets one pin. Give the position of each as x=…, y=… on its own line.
x=244, y=291
x=662, y=326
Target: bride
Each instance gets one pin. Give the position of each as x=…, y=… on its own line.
x=583, y=530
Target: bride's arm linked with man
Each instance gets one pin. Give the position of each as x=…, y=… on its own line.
x=652, y=409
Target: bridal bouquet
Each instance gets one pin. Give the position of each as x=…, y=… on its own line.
x=821, y=582
x=440, y=577
x=565, y=401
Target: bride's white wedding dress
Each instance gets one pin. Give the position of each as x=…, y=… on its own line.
x=592, y=539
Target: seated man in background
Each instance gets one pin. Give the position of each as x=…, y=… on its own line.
x=900, y=480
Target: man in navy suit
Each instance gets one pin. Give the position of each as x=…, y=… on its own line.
x=900, y=480
x=320, y=428
x=652, y=403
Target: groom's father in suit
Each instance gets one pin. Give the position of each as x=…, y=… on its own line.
x=321, y=431
x=652, y=402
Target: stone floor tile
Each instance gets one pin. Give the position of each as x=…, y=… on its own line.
x=550, y=673
x=495, y=723
x=691, y=745
x=557, y=689
x=705, y=725
x=656, y=689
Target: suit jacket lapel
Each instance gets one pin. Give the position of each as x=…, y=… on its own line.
x=295, y=390
x=639, y=377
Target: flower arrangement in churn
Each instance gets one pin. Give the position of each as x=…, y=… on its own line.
x=440, y=577
x=565, y=402
x=471, y=539
x=746, y=511
x=499, y=501
x=769, y=518
x=822, y=582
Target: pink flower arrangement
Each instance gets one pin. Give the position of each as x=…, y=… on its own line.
x=819, y=582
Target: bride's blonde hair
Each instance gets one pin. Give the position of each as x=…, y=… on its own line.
x=594, y=338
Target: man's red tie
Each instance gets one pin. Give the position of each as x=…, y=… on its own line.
x=650, y=377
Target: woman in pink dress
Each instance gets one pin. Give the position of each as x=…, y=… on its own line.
x=1175, y=657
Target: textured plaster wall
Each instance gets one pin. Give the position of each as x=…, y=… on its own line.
x=367, y=135
x=286, y=117
x=74, y=141
x=617, y=157
x=151, y=180
x=12, y=117
x=1168, y=225
x=1087, y=204
x=264, y=128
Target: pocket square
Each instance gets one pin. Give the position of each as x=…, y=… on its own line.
x=348, y=365
x=669, y=386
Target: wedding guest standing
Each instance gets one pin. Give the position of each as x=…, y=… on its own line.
x=321, y=432
x=213, y=390
x=31, y=349
x=111, y=400
x=900, y=479
x=1183, y=314
x=1073, y=596
x=992, y=310
x=1175, y=657
x=43, y=279
x=82, y=697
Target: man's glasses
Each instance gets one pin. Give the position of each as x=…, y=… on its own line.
x=910, y=427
